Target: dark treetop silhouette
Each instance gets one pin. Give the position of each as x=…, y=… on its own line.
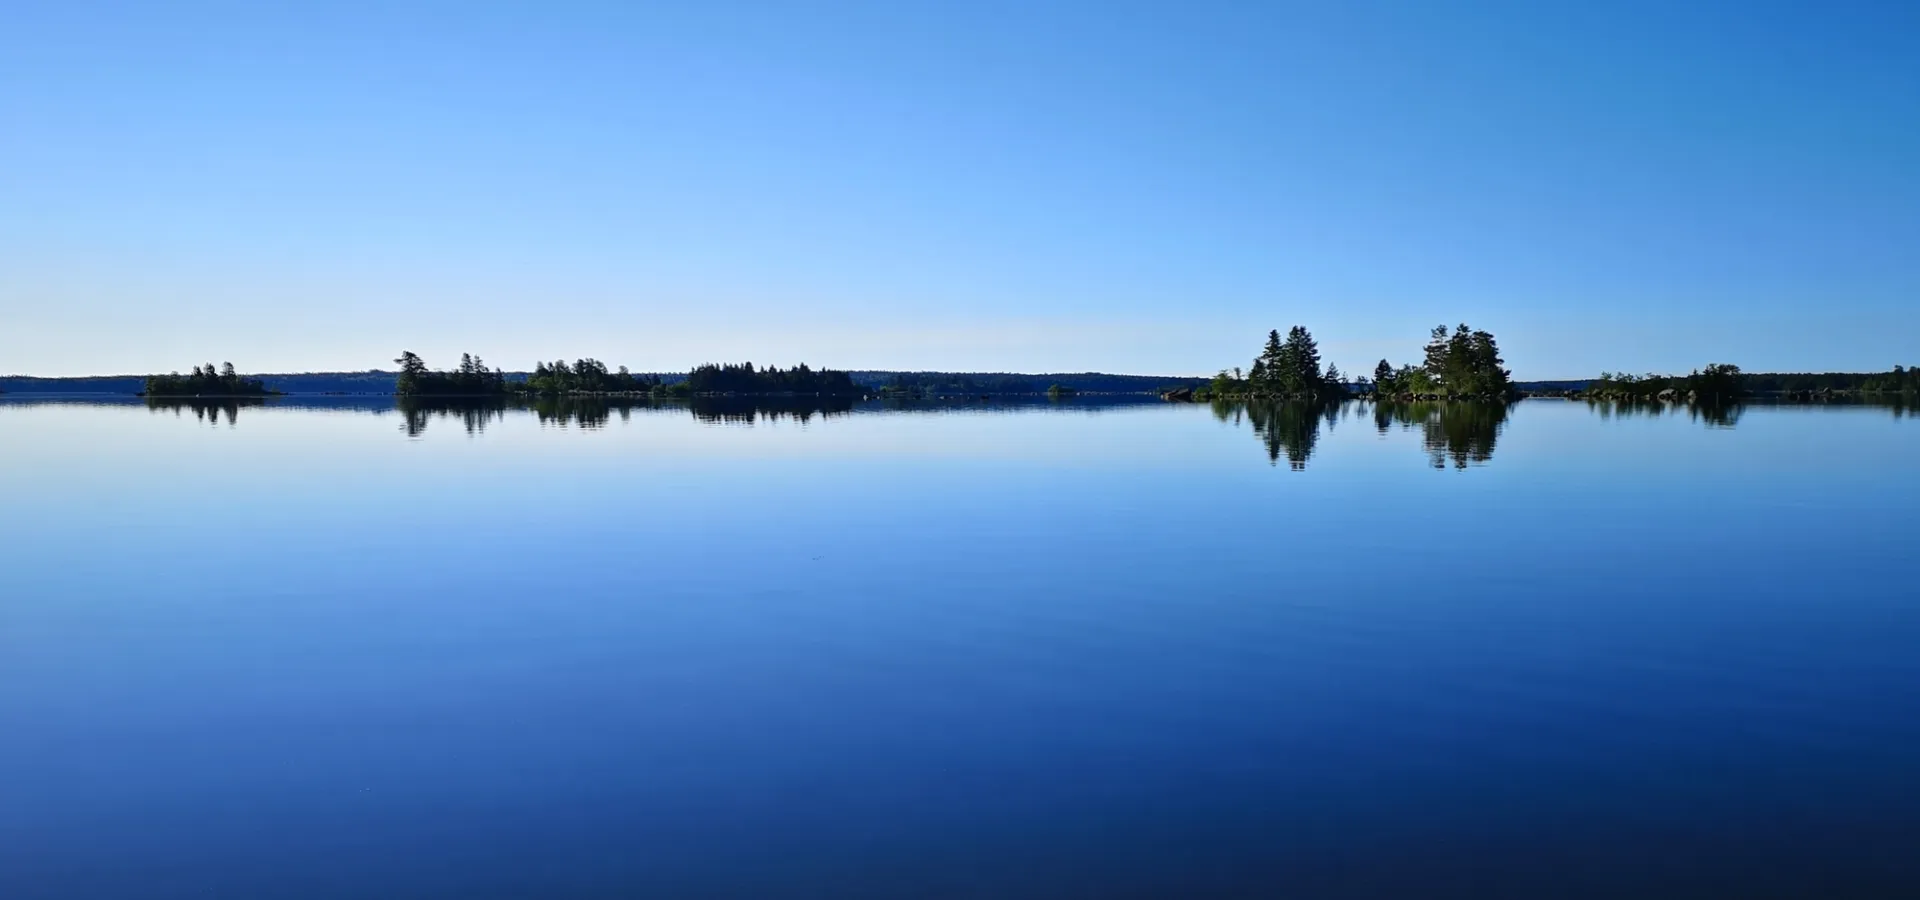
x=205, y=381
x=1463, y=364
x=591, y=376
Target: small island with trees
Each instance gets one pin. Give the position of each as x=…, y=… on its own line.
x=1718, y=383
x=1463, y=364
x=1286, y=369
x=206, y=381
x=473, y=378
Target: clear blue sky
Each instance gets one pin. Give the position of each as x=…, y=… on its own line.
x=1139, y=187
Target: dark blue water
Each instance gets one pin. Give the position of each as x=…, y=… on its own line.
x=1089, y=650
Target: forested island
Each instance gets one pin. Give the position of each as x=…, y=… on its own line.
x=206, y=381
x=1286, y=369
x=745, y=379
x=590, y=376
x=473, y=378
x=1460, y=365
x=1464, y=363
x=1720, y=383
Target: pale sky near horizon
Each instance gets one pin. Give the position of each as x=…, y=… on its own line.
x=979, y=186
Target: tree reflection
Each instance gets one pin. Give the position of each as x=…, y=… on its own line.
x=1721, y=414
x=474, y=414
x=587, y=413
x=593, y=413
x=1231, y=411
x=1461, y=433
x=1715, y=415
x=204, y=410
x=749, y=410
x=1290, y=429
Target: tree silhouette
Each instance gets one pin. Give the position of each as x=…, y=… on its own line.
x=744, y=379
x=206, y=380
x=472, y=379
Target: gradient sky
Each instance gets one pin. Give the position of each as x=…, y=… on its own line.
x=1035, y=186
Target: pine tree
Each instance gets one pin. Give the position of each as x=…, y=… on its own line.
x=1436, y=361
x=1458, y=373
x=1383, y=380
x=1489, y=376
x=412, y=368
x=1299, y=364
x=1270, y=366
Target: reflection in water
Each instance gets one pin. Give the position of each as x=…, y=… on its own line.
x=208, y=411
x=591, y=413
x=583, y=412
x=474, y=414
x=747, y=410
x=1713, y=415
x=1464, y=433
x=1229, y=411
x=1290, y=429
x=1716, y=415
x=1461, y=433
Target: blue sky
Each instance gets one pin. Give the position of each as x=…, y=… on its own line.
x=1140, y=187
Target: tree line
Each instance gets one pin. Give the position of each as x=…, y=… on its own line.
x=473, y=378
x=1286, y=368
x=1723, y=382
x=587, y=376
x=591, y=376
x=384, y=381
x=745, y=379
x=1900, y=380
x=1464, y=363
x=205, y=381
x=1718, y=383
x=1460, y=364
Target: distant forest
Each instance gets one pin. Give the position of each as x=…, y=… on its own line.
x=745, y=379
x=548, y=378
x=1902, y=379
x=1726, y=382
x=559, y=377
x=591, y=376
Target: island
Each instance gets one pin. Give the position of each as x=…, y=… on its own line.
x=1461, y=364
x=473, y=378
x=206, y=381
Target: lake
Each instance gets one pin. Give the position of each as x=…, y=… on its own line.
x=1099, y=648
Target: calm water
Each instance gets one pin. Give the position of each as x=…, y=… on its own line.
x=1093, y=650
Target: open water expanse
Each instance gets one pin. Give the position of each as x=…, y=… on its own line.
x=332, y=648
